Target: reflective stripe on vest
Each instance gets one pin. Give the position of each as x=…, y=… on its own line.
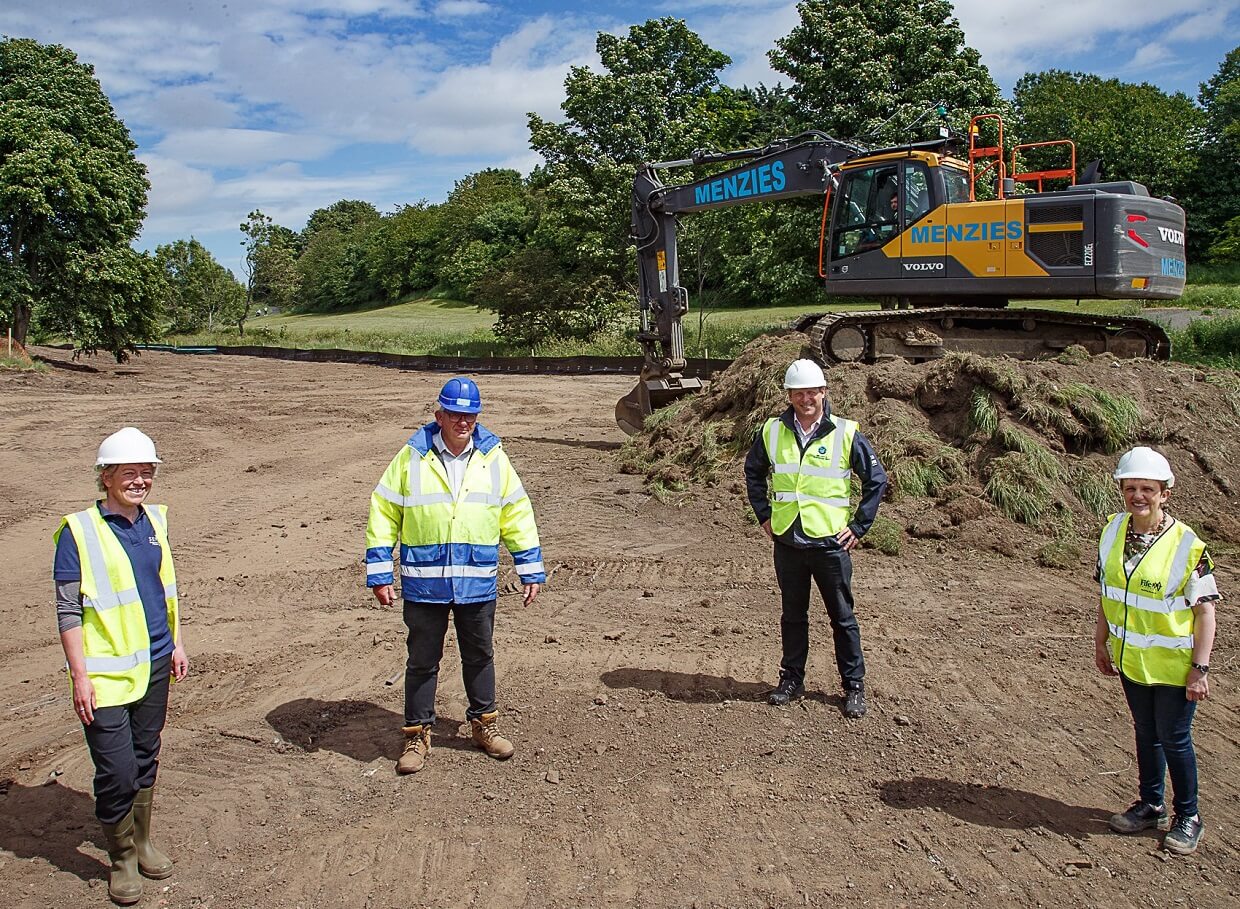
x=1149, y=618
x=115, y=639
x=814, y=485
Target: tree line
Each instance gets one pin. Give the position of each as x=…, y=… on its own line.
x=550, y=253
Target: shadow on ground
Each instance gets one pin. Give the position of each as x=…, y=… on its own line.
x=994, y=806
x=691, y=687
x=356, y=729
x=52, y=822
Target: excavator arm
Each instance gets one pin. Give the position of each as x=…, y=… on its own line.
x=799, y=166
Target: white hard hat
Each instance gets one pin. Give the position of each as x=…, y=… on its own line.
x=127, y=446
x=804, y=374
x=1144, y=464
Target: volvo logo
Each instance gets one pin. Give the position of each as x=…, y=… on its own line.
x=1171, y=235
x=923, y=266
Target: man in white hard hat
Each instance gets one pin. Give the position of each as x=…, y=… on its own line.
x=1155, y=630
x=798, y=476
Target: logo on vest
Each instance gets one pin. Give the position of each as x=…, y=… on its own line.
x=1152, y=586
x=822, y=449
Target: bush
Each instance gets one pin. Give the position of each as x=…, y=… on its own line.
x=1209, y=342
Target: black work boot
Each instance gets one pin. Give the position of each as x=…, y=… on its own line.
x=854, y=703
x=1184, y=835
x=787, y=689
x=1138, y=817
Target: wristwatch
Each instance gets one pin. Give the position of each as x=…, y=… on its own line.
x=1202, y=669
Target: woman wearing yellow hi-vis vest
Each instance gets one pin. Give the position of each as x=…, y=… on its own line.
x=1155, y=630
x=116, y=605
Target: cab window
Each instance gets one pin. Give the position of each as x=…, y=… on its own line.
x=916, y=192
x=866, y=213
x=955, y=184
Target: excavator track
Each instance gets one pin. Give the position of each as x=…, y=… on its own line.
x=1025, y=334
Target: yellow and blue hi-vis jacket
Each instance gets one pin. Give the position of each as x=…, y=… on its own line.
x=449, y=547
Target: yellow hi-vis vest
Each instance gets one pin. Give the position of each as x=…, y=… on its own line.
x=449, y=546
x=1150, y=620
x=816, y=486
x=115, y=638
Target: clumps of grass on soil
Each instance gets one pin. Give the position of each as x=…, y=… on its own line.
x=885, y=535
x=986, y=451
x=695, y=439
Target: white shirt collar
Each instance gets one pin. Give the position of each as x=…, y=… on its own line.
x=442, y=448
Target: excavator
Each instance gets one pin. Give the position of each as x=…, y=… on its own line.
x=905, y=226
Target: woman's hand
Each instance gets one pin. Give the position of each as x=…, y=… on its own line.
x=84, y=699
x=180, y=663
x=1102, y=659
x=1198, y=686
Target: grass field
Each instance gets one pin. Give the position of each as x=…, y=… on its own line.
x=450, y=327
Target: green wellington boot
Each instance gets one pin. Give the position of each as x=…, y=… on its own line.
x=151, y=862
x=124, y=881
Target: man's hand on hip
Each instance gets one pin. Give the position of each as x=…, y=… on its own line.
x=385, y=594
x=847, y=539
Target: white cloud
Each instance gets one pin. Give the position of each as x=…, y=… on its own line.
x=241, y=147
x=1016, y=38
x=1149, y=55
x=459, y=9
x=1206, y=24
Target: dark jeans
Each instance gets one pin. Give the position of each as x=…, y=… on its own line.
x=124, y=743
x=428, y=623
x=1163, y=718
x=831, y=570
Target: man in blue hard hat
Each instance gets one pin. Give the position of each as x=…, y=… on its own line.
x=448, y=499
x=798, y=476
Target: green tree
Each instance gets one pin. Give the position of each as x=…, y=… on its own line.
x=868, y=70
x=487, y=216
x=201, y=293
x=659, y=98
x=402, y=254
x=1140, y=132
x=72, y=199
x=345, y=216
x=270, y=266
x=1213, y=204
x=536, y=300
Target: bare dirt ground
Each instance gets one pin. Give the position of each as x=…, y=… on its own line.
x=649, y=770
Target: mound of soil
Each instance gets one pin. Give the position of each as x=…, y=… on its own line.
x=993, y=452
x=11, y=350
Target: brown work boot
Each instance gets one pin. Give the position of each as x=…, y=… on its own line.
x=487, y=737
x=417, y=747
x=151, y=862
x=124, y=882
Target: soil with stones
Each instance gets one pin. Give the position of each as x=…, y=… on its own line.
x=649, y=770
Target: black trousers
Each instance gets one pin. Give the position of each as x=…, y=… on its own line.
x=475, y=628
x=831, y=570
x=124, y=743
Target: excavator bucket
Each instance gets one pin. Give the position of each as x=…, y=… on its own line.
x=648, y=396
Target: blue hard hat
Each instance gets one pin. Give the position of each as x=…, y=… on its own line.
x=460, y=395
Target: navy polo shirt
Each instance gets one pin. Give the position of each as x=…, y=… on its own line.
x=142, y=546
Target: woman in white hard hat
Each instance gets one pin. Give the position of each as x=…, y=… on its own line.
x=116, y=602
x=1155, y=630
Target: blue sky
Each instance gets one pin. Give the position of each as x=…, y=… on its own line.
x=288, y=105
